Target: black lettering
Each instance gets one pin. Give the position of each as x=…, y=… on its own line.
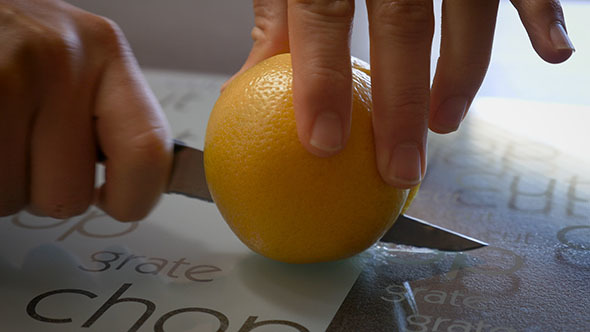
x=32, y=306
x=223, y=320
x=157, y=267
x=150, y=308
x=106, y=263
x=175, y=266
x=199, y=269
x=250, y=324
x=130, y=257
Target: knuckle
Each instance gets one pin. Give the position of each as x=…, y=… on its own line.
x=105, y=34
x=268, y=12
x=550, y=8
x=406, y=20
x=53, y=44
x=19, y=70
x=104, y=29
x=7, y=15
x=151, y=145
x=47, y=48
x=325, y=74
x=267, y=27
x=34, y=41
x=269, y=33
x=474, y=68
x=335, y=9
x=410, y=104
x=259, y=33
x=469, y=65
x=405, y=10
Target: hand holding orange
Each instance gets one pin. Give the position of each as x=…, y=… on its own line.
x=280, y=200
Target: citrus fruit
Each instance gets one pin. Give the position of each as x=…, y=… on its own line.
x=279, y=199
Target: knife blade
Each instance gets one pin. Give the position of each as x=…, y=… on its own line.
x=188, y=179
x=415, y=232
x=188, y=173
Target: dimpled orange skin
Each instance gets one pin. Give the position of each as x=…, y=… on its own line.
x=279, y=199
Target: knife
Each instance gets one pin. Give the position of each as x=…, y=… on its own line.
x=188, y=179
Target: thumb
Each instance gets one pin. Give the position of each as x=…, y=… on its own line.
x=270, y=33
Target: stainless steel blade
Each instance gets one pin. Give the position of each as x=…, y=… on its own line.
x=188, y=173
x=419, y=233
x=188, y=178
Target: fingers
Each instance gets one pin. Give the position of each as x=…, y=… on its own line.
x=67, y=77
x=16, y=112
x=134, y=136
x=319, y=34
x=44, y=133
x=401, y=37
x=466, y=45
x=62, y=155
x=14, y=152
x=270, y=33
x=545, y=25
x=62, y=144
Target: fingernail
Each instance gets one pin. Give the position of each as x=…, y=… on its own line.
x=405, y=165
x=326, y=134
x=559, y=37
x=450, y=114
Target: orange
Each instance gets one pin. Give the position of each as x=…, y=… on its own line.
x=280, y=200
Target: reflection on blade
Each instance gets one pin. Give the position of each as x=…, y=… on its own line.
x=188, y=173
x=418, y=233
